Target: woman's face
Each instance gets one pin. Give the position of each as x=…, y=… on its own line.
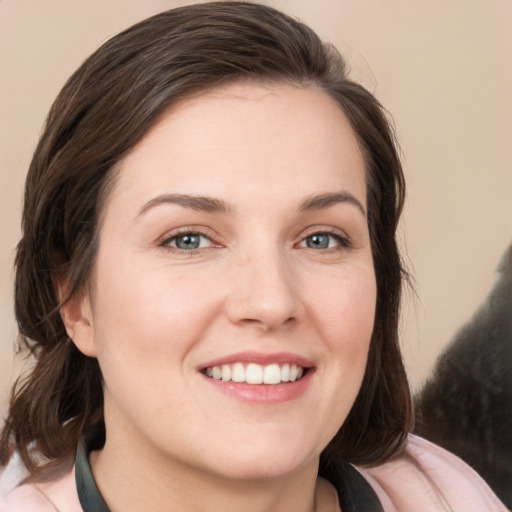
x=233, y=249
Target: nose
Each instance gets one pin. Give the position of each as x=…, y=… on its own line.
x=264, y=293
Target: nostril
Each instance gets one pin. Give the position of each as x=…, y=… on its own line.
x=263, y=296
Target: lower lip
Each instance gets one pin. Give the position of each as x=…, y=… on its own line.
x=263, y=393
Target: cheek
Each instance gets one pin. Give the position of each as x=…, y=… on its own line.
x=144, y=320
x=344, y=317
x=145, y=328
x=345, y=313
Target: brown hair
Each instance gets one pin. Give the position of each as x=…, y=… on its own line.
x=104, y=109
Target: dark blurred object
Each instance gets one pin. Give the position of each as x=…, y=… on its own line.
x=466, y=406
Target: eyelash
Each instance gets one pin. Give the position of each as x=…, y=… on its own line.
x=342, y=241
x=165, y=243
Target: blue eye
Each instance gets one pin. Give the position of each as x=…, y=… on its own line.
x=188, y=241
x=321, y=241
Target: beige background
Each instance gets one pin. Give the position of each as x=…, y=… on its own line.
x=443, y=68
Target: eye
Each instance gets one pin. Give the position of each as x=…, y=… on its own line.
x=320, y=241
x=188, y=241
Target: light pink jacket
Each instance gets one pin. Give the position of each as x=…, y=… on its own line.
x=425, y=478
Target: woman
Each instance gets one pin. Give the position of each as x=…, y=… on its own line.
x=209, y=281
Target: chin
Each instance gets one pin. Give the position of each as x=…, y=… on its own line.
x=261, y=461
x=261, y=470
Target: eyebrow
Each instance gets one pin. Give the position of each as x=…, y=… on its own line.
x=213, y=205
x=199, y=203
x=321, y=201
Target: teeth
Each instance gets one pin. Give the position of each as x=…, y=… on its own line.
x=225, y=371
x=272, y=374
x=255, y=373
x=238, y=373
x=285, y=372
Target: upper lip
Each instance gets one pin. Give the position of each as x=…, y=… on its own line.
x=260, y=358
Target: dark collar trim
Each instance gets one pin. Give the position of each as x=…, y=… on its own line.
x=88, y=494
x=354, y=492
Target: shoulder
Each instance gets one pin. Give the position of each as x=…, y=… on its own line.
x=427, y=478
x=16, y=496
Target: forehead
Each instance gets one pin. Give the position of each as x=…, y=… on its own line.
x=247, y=136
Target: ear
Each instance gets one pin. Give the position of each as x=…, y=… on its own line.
x=76, y=314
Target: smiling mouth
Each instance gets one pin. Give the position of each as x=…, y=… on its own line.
x=254, y=373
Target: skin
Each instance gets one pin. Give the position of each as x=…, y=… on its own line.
x=154, y=314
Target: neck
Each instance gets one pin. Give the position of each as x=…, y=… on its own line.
x=135, y=478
